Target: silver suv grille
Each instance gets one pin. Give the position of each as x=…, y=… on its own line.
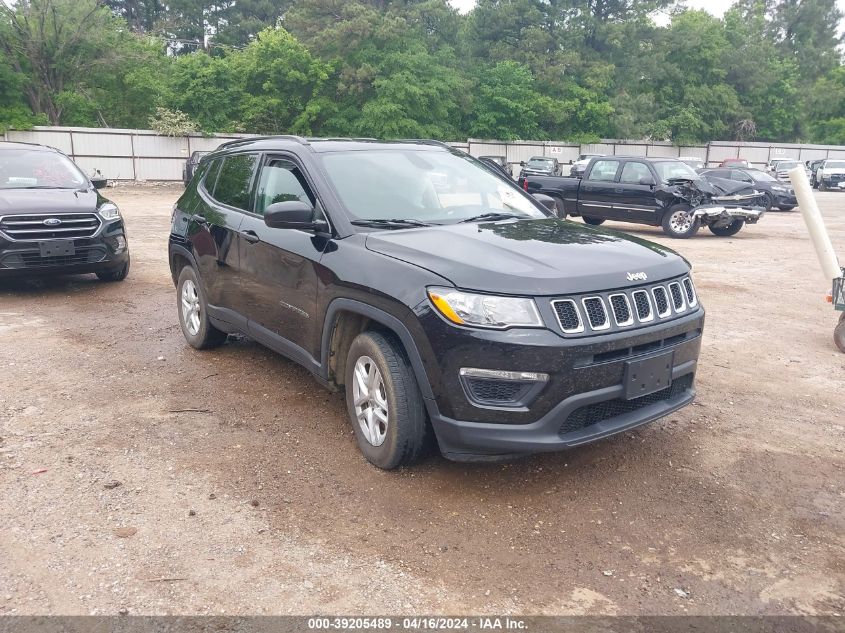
x=58, y=226
x=621, y=310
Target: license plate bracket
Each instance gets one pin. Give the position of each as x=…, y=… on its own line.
x=57, y=248
x=649, y=375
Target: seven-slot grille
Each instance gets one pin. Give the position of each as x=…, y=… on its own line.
x=33, y=227
x=625, y=309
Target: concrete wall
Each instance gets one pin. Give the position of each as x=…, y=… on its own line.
x=145, y=155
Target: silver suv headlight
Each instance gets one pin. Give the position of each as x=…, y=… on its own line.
x=487, y=311
x=109, y=211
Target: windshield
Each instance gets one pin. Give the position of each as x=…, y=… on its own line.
x=540, y=162
x=435, y=187
x=787, y=164
x=761, y=176
x=675, y=169
x=835, y=164
x=36, y=169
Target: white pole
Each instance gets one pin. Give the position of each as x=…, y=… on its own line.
x=815, y=223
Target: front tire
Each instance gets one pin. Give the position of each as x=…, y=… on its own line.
x=114, y=275
x=593, y=221
x=787, y=208
x=384, y=402
x=678, y=222
x=193, y=312
x=726, y=231
x=822, y=186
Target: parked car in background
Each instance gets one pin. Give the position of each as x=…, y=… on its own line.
x=540, y=166
x=830, y=174
x=498, y=164
x=813, y=166
x=463, y=316
x=580, y=164
x=53, y=219
x=657, y=191
x=734, y=162
x=778, y=194
x=772, y=165
x=785, y=166
x=191, y=165
x=692, y=161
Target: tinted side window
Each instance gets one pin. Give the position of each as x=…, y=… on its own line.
x=604, y=170
x=233, y=182
x=741, y=176
x=281, y=181
x=632, y=173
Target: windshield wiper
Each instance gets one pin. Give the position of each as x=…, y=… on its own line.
x=496, y=215
x=390, y=223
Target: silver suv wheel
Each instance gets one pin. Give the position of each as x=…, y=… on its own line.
x=190, y=307
x=370, y=401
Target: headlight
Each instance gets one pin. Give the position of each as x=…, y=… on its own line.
x=109, y=211
x=464, y=308
x=778, y=189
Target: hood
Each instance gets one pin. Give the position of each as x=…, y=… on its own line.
x=24, y=201
x=537, y=171
x=549, y=257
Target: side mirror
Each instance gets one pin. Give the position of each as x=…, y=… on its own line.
x=522, y=163
x=292, y=214
x=546, y=201
x=647, y=180
x=99, y=183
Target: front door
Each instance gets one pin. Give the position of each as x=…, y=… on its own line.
x=279, y=266
x=595, y=195
x=634, y=200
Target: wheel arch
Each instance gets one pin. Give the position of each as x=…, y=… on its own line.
x=179, y=258
x=345, y=319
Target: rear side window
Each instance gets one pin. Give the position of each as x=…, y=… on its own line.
x=604, y=170
x=741, y=176
x=281, y=181
x=210, y=178
x=233, y=183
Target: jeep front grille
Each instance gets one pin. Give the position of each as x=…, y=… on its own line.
x=32, y=227
x=624, y=309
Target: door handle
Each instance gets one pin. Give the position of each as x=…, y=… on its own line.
x=620, y=190
x=250, y=236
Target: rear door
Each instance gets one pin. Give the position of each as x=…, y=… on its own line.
x=634, y=199
x=279, y=267
x=213, y=228
x=598, y=188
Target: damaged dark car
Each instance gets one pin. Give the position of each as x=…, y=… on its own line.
x=655, y=191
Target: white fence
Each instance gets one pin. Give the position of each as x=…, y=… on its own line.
x=144, y=155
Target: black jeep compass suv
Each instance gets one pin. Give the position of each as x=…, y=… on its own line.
x=442, y=298
x=53, y=220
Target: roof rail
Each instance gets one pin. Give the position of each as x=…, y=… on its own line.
x=253, y=139
x=426, y=141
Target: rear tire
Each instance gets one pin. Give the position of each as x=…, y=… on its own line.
x=114, y=275
x=787, y=208
x=822, y=186
x=726, y=231
x=592, y=221
x=560, y=210
x=384, y=402
x=678, y=222
x=193, y=312
x=839, y=334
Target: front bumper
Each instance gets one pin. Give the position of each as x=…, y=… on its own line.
x=725, y=215
x=100, y=253
x=473, y=441
x=582, y=400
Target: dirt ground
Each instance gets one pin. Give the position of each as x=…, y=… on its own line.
x=245, y=492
